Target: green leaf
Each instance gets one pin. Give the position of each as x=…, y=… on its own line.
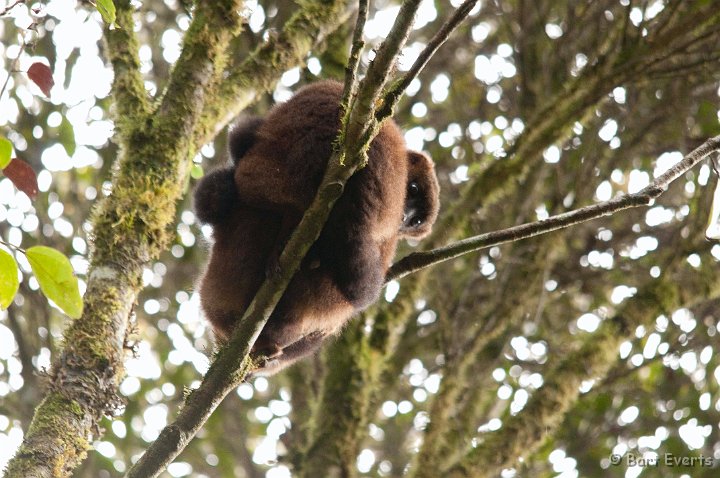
x=196, y=172
x=8, y=279
x=57, y=280
x=107, y=10
x=66, y=135
x=5, y=152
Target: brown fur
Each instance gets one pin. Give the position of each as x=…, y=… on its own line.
x=255, y=204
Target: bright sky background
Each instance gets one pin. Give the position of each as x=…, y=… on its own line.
x=79, y=30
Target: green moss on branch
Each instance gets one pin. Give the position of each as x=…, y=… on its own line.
x=258, y=73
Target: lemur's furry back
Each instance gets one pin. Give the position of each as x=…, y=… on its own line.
x=254, y=205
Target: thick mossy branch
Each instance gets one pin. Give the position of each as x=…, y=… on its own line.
x=58, y=455
x=259, y=72
x=201, y=63
x=333, y=454
x=129, y=229
x=129, y=95
x=130, y=226
x=83, y=385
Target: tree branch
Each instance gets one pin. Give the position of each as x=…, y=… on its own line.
x=393, y=95
x=130, y=228
x=128, y=89
x=617, y=63
x=361, y=126
x=260, y=71
x=419, y=260
x=7, y=9
x=350, y=87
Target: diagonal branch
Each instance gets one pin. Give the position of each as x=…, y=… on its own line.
x=393, y=95
x=420, y=260
x=7, y=9
x=361, y=125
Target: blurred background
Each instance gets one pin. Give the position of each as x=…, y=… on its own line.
x=581, y=100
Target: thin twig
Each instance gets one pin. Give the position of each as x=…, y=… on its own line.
x=14, y=66
x=361, y=126
x=393, y=96
x=7, y=9
x=358, y=43
x=12, y=246
x=420, y=260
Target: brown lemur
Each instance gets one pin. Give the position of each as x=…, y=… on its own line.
x=254, y=204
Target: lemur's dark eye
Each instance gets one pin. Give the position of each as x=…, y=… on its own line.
x=413, y=188
x=416, y=221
